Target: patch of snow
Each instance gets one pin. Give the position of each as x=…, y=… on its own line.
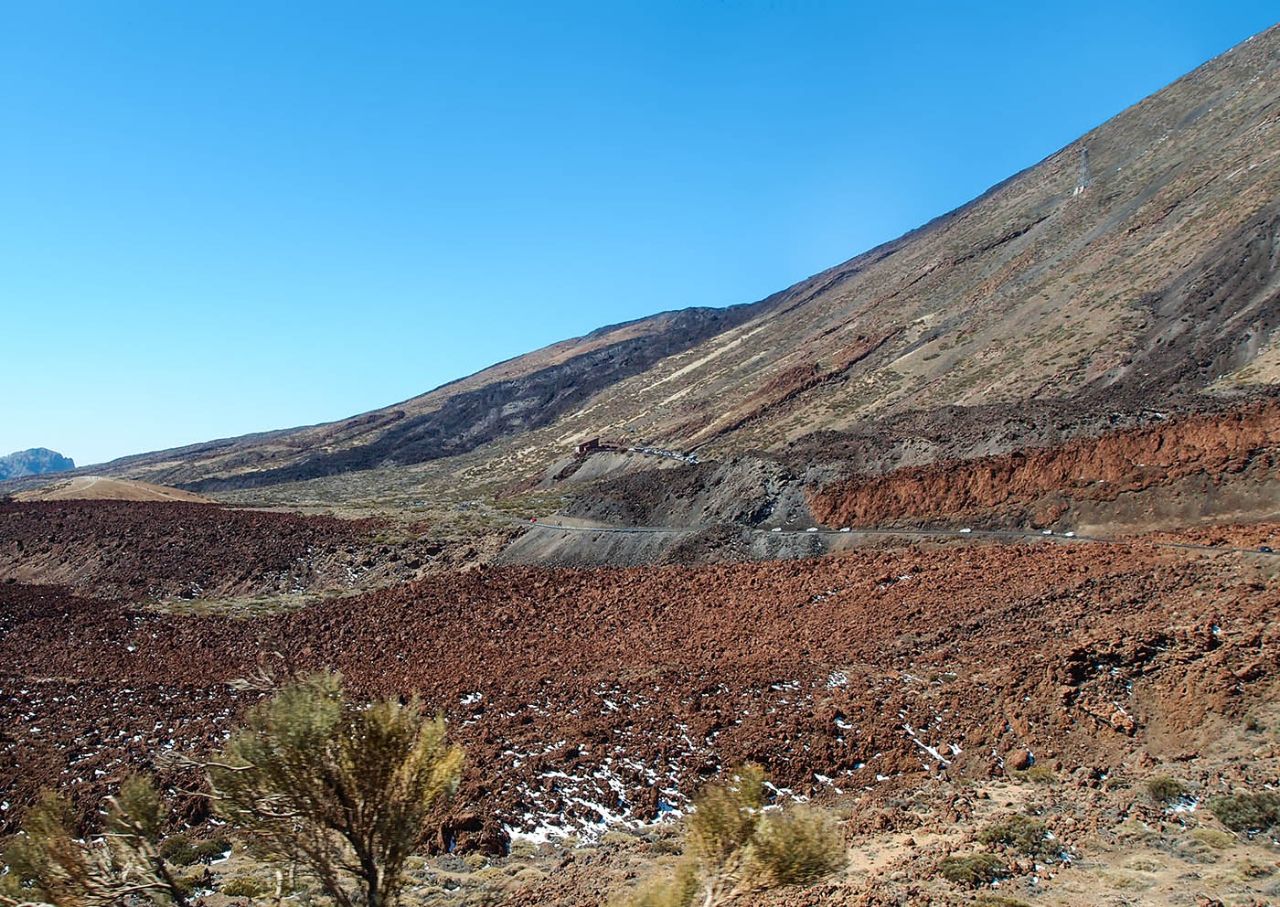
x=932, y=751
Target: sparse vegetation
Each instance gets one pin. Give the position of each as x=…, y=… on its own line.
x=1251, y=869
x=1037, y=774
x=241, y=607
x=1023, y=834
x=974, y=870
x=49, y=864
x=1247, y=813
x=733, y=847
x=678, y=890
x=1164, y=790
x=341, y=787
x=244, y=887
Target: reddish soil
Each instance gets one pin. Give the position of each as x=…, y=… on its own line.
x=133, y=550
x=580, y=693
x=1039, y=485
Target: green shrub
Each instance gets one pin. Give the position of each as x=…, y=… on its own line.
x=244, y=887
x=187, y=884
x=664, y=844
x=797, y=846
x=212, y=849
x=676, y=891
x=1023, y=834
x=974, y=870
x=726, y=816
x=342, y=786
x=1249, y=813
x=1214, y=839
x=733, y=847
x=54, y=866
x=1037, y=774
x=180, y=850
x=1164, y=790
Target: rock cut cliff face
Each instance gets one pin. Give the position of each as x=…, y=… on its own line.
x=1040, y=485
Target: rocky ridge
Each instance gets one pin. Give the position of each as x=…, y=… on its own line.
x=34, y=462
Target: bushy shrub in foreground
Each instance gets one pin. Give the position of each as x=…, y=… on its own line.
x=733, y=846
x=343, y=787
x=314, y=779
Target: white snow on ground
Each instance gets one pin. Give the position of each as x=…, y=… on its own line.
x=932, y=751
x=592, y=789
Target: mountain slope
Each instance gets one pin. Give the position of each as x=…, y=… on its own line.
x=506, y=399
x=1138, y=268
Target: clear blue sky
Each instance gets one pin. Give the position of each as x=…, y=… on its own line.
x=233, y=216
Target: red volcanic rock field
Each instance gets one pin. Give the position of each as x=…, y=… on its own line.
x=608, y=694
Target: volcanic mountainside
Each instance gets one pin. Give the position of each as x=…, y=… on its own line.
x=1066, y=302
x=1086, y=351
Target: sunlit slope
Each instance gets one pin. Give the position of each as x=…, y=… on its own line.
x=1136, y=267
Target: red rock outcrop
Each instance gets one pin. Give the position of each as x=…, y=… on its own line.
x=1039, y=484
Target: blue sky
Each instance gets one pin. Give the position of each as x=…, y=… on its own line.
x=228, y=217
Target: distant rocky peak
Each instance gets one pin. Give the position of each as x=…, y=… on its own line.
x=34, y=462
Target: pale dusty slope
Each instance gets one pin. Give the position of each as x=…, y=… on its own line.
x=100, y=488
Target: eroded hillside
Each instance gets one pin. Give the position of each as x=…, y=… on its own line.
x=1147, y=280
